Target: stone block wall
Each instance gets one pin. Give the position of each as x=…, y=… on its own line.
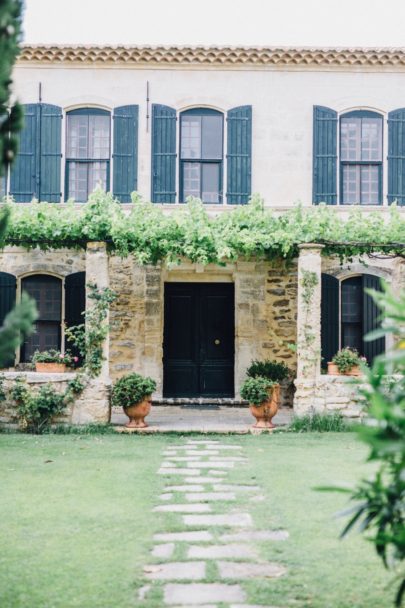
x=329, y=395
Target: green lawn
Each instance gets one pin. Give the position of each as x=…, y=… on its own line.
x=76, y=531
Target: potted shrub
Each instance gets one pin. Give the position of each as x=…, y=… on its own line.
x=53, y=361
x=346, y=362
x=262, y=390
x=133, y=393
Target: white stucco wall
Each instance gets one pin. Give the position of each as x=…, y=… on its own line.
x=282, y=101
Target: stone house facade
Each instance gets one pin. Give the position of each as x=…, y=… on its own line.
x=295, y=125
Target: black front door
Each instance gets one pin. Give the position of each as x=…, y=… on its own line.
x=199, y=336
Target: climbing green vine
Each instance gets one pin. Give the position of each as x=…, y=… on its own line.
x=248, y=231
x=309, y=280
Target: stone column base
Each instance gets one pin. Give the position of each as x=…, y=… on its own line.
x=329, y=395
x=93, y=405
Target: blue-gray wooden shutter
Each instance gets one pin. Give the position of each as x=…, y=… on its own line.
x=396, y=156
x=75, y=304
x=125, y=153
x=329, y=317
x=371, y=314
x=324, y=156
x=24, y=177
x=50, y=153
x=163, y=154
x=8, y=288
x=239, y=155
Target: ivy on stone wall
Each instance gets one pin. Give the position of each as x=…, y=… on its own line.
x=151, y=235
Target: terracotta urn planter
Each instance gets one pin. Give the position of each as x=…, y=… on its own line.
x=50, y=368
x=265, y=412
x=333, y=370
x=138, y=412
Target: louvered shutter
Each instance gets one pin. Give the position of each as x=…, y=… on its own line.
x=125, y=155
x=8, y=287
x=163, y=154
x=324, y=156
x=239, y=155
x=24, y=179
x=75, y=304
x=50, y=153
x=396, y=156
x=371, y=314
x=329, y=318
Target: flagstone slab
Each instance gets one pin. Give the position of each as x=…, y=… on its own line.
x=185, y=458
x=247, y=570
x=166, y=496
x=238, y=520
x=211, y=465
x=217, y=473
x=175, y=471
x=164, y=551
x=213, y=446
x=202, y=452
x=203, y=479
x=190, y=508
x=189, y=488
x=210, y=496
x=232, y=551
x=229, y=459
x=201, y=593
x=197, y=536
x=254, y=535
x=173, y=571
x=233, y=487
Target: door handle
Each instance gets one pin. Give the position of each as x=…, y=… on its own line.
x=217, y=342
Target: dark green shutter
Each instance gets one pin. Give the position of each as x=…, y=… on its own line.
x=24, y=179
x=396, y=156
x=239, y=155
x=8, y=287
x=325, y=156
x=75, y=304
x=371, y=314
x=163, y=154
x=50, y=153
x=329, y=318
x=125, y=155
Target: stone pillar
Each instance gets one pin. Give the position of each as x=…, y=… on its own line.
x=93, y=404
x=308, y=327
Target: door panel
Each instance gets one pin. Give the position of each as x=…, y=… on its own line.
x=199, y=340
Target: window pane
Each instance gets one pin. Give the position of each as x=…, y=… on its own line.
x=350, y=139
x=191, y=136
x=351, y=184
x=212, y=137
x=352, y=300
x=370, y=191
x=97, y=176
x=371, y=139
x=77, y=136
x=47, y=293
x=99, y=137
x=78, y=182
x=351, y=336
x=191, y=180
x=210, y=185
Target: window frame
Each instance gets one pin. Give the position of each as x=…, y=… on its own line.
x=201, y=161
x=356, y=163
x=87, y=111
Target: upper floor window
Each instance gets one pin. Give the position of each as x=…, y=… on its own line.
x=361, y=158
x=201, y=155
x=88, y=140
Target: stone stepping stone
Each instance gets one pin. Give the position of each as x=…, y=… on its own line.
x=217, y=473
x=167, y=496
x=179, y=471
x=202, y=452
x=232, y=551
x=232, y=487
x=185, y=458
x=195, y=594
x=237, y=520
x=228, y=459
x=215, y=446
x=191, y=508
x=163, y=551
x=246, y=570
x=211, y=465
x=202, y=479
x=190, y=488
x=202, y=442
x=254, y=535
x=173, y=571
x=250, y=606
x=210, y=496
x=197, y=536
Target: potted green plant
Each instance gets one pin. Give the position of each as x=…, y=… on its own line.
x=346, y=362
x=53, y=361
x=262, y=390
x=133, y=393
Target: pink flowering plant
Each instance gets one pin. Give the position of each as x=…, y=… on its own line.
x=54, y=356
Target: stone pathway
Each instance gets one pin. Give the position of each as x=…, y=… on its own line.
x=214, y=548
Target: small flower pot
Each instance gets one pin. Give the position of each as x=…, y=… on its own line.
x=333, y=370
x=138, y=412
x=50, y=368
x=265, y=412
